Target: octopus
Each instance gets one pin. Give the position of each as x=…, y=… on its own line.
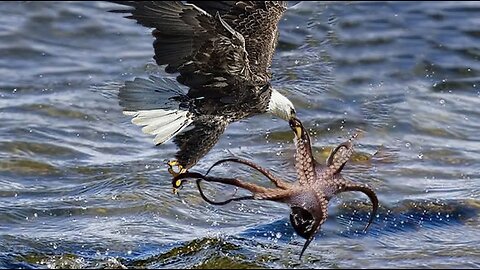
x=308, y=197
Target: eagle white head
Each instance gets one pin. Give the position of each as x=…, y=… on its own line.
x=281, y=106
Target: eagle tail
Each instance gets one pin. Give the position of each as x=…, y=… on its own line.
x=156, y=105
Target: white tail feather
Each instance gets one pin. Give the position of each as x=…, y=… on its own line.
x=164, y=124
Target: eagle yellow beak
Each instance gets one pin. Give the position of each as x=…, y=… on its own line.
x=296, y=126
x=298, y=131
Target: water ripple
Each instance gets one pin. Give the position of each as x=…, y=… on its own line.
x=81, y=187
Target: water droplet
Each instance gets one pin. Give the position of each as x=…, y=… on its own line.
x=278, y=235
x=408, y=145
x=420, y=156
x=442, y=101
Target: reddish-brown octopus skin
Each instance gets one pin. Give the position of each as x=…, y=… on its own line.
x=309, y=196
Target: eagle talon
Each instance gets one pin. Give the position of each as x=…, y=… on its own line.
x=174, y=163
x=177, y=184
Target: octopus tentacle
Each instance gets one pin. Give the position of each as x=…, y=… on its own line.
x=304, y=161
x=228, y=181
x=204, y=197
x=275, y=195
x=341, y=154
x=259, y=193
x=350, y=186
x=309, y=240
x=275, y=180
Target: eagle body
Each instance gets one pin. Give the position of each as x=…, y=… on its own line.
x=221, y=52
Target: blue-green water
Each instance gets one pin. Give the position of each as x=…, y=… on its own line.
x=80, y=186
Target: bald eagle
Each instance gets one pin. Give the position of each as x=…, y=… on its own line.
x=222, y=52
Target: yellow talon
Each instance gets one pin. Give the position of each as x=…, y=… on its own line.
x=177, y=184
x=174, y=163
x=174, y=173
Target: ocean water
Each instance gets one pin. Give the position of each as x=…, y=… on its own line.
x=82, y=187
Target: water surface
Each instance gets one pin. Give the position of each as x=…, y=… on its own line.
x=80, y=186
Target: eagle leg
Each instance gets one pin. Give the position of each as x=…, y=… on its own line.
x=180, y=170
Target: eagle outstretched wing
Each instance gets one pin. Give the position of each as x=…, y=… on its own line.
x=257, y=22
x=210, y=56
